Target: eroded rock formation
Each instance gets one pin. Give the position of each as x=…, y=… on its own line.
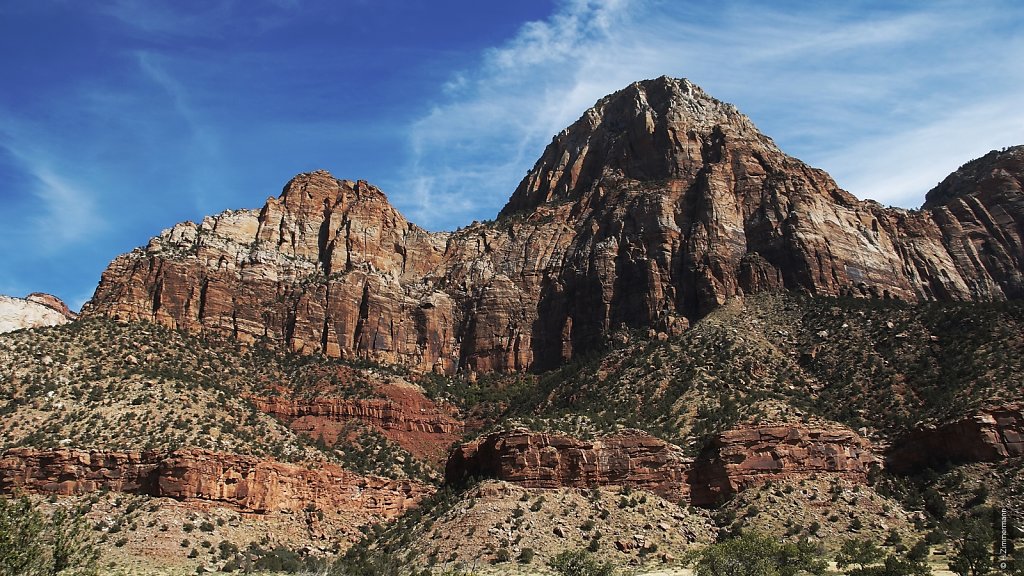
x=738, y=459
x=751, y=455
x=988, y=435
x=245, y=483
x=537, y=460
x=656, y=206
x=33, y=311
x=404, y=416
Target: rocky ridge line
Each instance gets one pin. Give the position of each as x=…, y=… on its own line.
x=657, y=206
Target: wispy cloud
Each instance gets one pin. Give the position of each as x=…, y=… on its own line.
x=62, y=213
x=471, y=149
x=204, y=146
x=69, y=212
x=887, y=100
x=163, y=18
x=166, y=20
x=899, y=168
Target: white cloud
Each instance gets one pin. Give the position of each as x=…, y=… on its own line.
x=889, y=101
x=64, y=213
x=899, y=168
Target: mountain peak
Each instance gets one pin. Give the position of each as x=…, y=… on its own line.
x=651, y=130
x=997, y=172
x=657, y=206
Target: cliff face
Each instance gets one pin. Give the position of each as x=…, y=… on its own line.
x=738, y=459
x=405, y=416
x=752, y=455
x=245, y=483
x=988, y=435
x=539, y=460
x=658, y=205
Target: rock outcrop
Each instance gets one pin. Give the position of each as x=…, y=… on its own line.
x=245, y=483
x=736, y=460
x=34, y=311
x=751, y=455
x=988, y=435
x=538, y=460
x=404, y=416
x=656, y=206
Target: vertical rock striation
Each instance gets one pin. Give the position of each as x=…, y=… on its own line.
x=656, y=206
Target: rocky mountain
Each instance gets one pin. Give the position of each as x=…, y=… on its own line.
x=671, y=333
x=35, y=310
x=658, y=205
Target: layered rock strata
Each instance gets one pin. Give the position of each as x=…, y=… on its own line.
x=536, y=460
x=749, y=456
x=656, y=206
x=245, y=483
x=988, y=435
x=739, y=459
x=406, y=417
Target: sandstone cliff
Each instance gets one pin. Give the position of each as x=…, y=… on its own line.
x=988, y=435
x=738, y=459
x=749, y=456
x=33, y=311
x=242, y=482
x=404, y=416
x=656, y=206
x=536, y=460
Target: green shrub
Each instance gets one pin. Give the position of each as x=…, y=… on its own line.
x=33, y=545
x=755, y=555
x=579, y=563
x=503, y=555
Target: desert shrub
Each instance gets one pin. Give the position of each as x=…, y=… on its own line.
x=579, y=563
x=32, y=544
x=755, y=555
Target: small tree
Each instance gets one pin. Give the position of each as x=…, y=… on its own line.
x=73, y=549
x=972, y=547
x=21, y=546
x=896, y=566
x=862, y=552
x=32, y=545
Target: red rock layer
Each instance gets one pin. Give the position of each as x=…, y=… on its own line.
x=752, y=455
x=737, y=460
x=33, y=311
x=406, y=417
x=245, y=483
x=656, y=206
x=53, y=303
x=537, y=460
x=988, y=435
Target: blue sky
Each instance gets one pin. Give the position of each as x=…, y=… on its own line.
x=119, y=118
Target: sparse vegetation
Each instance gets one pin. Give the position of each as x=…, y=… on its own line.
x=33, y=544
